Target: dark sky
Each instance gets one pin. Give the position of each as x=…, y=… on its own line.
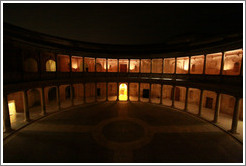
x=126, y=23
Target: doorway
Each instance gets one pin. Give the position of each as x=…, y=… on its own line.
x=123, y=68
x=98, y=91
x=209, y=102
x=145, y=93
x=52, y=94
x=177, y=94
x=123, y=92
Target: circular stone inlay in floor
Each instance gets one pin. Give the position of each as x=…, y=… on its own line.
x=123, y=131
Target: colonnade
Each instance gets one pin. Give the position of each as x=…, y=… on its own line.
x=128, y=71
x=6, y=117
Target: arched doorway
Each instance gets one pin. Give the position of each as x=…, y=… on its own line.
x=123, y=92
x=51, y=66
x=52, y=94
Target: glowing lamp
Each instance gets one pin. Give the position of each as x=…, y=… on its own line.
x=75, y=66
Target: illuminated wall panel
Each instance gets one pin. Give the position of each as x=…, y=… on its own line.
x=145, y=65
x=232, y=62
x=157, y=65
x=196, y=64
x=112, y=65
x=182, y=65
x=155, y=93
x=167, y=95
x=134, y=91
x=112, y=91
x=89, y=64
x=101, y=65
x=179, y=97
x=213, y=63
x=77, y=64
x=169, y=65
x=193, y=100
x=134, y=65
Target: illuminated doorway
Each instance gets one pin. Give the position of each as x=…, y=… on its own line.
x=123, y=92
x=12, y=108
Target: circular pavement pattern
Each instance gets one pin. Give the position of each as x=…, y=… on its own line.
x=121, y=132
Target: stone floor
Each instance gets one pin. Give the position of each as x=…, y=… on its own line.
x=119, y=132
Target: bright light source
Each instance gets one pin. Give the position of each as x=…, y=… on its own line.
x=75, y=66
x=123, y=92
x=12, y=110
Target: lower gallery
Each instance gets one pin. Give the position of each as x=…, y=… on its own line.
x=67, y=101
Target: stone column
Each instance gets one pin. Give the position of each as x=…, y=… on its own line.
x=42, y=99
x=106, y=91
x=200, y=103
x=186, y=99
x=235, y=116
x=189, y=65
x=83, y=64
x=162, y=66
x=139, y=65
x=128, y=65
x=150, y=92
x=222, y=64
x=106, y=64
x=151, y=65
x=58, y=97
x=161, y=93
x=6, y=117
x=217, y=108
x=95, y=91
x=72, y=94
x=175, y=68
x=173, y=90
x=26, y=108
x=128, y=92
x=139, y=91
x=117, y=91
x=118, y=66
x=204, y=64
x=95, y=64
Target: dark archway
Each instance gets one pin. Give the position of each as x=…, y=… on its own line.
x=52, y=94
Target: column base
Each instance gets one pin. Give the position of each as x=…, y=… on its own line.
x=215, y=121
x=8, y=130
x=27, y=120
x=233, y=131
x=43, y=113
